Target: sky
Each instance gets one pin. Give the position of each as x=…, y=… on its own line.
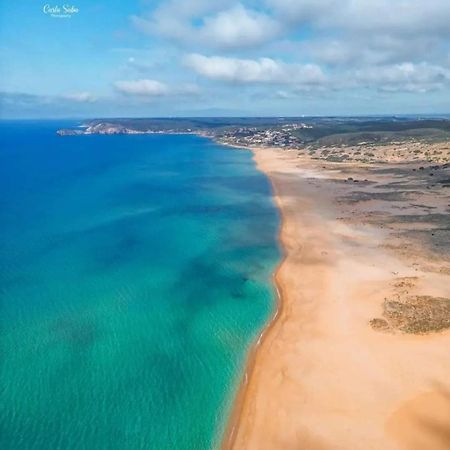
x=148, y=58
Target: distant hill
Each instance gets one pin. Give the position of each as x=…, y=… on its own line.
x=284, y=131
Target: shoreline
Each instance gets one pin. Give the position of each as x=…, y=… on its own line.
x=229, y=434
x=284, y=367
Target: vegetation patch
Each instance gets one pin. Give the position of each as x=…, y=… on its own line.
x=420, y=314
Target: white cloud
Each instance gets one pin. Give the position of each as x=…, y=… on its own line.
x=378, y=49
x=350, y=33
x=82, y=97
x=405, y=77
x=238, y=27
x=146, y=88
x=262, y=70
x=153, y=88
x=25, y=98
x=370, y=31
x=392, y=16
x=289, y=45
x=208, y=24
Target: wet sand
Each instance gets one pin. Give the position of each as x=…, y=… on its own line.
x=335, y=370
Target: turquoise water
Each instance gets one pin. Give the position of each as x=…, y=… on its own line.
x=135, y=271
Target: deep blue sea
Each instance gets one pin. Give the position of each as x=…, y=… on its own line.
x=135, y=272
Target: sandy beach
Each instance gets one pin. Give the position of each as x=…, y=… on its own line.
x=358, y=356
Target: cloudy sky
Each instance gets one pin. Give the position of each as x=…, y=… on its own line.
x=222, y=57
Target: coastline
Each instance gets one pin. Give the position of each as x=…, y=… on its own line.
x=239, y=399
x=337, y=238
x=265, y=404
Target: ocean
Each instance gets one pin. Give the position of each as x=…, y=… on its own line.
x=135, y=273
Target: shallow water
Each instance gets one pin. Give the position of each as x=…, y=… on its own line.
x=135, y=271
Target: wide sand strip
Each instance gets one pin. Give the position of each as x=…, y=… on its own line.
x=324, y=377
